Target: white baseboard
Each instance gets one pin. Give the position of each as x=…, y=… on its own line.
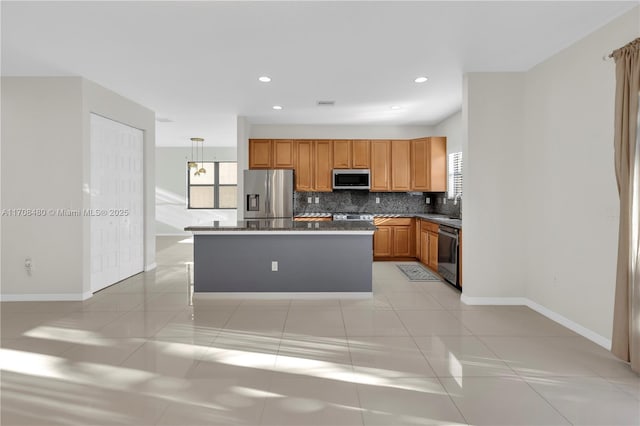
x=571, y=325
x=56, y=297
x=554, y=316
x=511, y=301
x=283, y=295
x=174, y=234
x=150, y=266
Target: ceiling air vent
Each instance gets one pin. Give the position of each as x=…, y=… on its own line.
x=326, y=103
x=164, y=120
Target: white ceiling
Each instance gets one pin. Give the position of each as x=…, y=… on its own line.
x=197, y=63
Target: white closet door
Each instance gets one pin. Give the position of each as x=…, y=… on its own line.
x=116, y=191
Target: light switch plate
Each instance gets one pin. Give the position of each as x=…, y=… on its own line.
x=274, y=266
x=309, y=200
x=377, y=200
x=317, y=200
x=428, y=200
x=444, y=200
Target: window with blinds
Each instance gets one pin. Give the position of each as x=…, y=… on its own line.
x=215, y=189
x=455, y=175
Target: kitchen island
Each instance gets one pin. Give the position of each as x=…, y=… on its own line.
x=283, y=256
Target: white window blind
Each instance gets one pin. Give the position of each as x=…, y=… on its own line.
x=455, y=175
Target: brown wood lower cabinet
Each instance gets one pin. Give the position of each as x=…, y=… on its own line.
x=433, y=251
x=394, y=238
x=428, y=250
x=383, y=242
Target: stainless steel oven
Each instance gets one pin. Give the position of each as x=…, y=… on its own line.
x=448, y=254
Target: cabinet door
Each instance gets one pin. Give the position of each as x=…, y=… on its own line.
x=416, y=234
x=341, y=154
x=438, y=164
x=283, y=154
x=424, y=247
x=360, y=154
x=380, y=165
x=260, y=153
x=433, y=251
x=402, y=241
x=382, y=242
x=323, y=166
x=400, y=165
x=304, y=166
x=420, y=164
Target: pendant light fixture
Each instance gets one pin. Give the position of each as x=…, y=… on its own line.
x=193, y=164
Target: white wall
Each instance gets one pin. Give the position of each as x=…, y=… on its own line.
x=541, y=203
x=452, y=128
x=99, y=100
x=45, y=165
x=571, y=194
x=338, y=132
x=493, y=227
x=172, y=215
x=243, y=131
x=42, y=169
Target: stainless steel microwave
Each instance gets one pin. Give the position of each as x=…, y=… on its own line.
x=351, y=179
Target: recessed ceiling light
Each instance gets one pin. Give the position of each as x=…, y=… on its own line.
x=420, y=79
x=278, y=107
x=395, y=107
x=264, y=79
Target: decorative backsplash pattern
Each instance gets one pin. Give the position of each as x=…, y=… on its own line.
x=365, y=202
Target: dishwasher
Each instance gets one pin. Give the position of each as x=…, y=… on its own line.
x=448, y=254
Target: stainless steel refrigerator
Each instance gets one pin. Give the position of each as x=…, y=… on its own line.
x=268, y=194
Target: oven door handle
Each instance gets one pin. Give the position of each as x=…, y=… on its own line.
x=448, y=234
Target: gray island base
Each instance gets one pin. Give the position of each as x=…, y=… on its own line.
x=283, y=256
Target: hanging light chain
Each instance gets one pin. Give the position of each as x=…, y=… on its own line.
x=194, y=164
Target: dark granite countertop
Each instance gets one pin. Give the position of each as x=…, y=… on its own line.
x=283, y=225
x=437, y=218
x=440, y=218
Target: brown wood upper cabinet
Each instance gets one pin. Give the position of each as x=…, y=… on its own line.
x=429, y=164
x=380, y=165
x=283, y=154
x=260, y=153
x=401, y=165
x=271, y=154
x=351, y=154
x=342, y=154
x=390, y=165
x=323, y=171
x=360, y=154
x=313, y=165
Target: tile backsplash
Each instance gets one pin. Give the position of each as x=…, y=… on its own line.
x=365, y=202
x=440, y=204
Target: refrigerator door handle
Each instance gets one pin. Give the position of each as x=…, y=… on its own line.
x=267, y=204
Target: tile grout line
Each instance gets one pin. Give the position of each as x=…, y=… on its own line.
x=348, y=341
x=432, y=369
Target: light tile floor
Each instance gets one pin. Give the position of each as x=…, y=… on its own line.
x=138, y=354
